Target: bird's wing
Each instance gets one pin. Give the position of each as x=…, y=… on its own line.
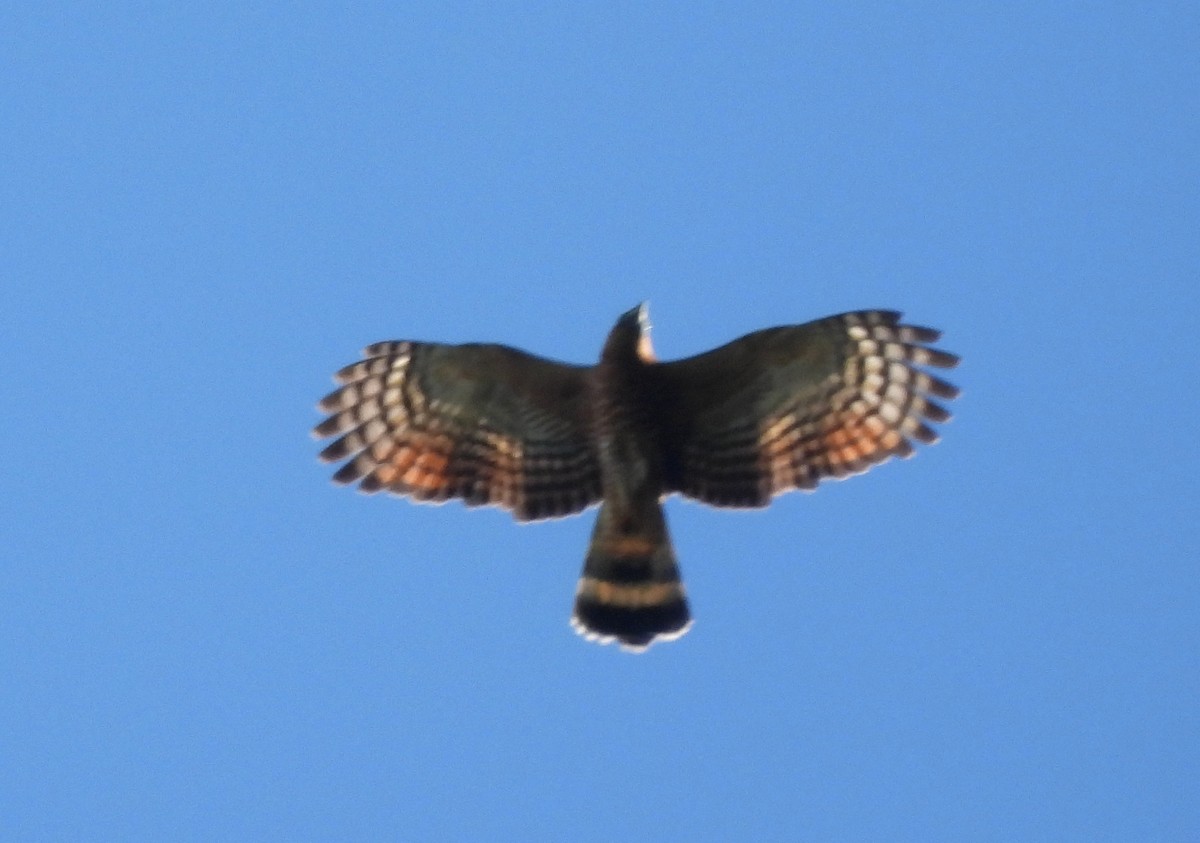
x=485, y=423
x=782, y=408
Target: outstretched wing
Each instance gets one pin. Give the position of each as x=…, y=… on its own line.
x=783, y=408
x=485, y=423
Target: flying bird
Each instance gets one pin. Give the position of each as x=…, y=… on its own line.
x=776, y=410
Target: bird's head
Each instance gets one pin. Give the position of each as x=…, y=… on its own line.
x=631, y=335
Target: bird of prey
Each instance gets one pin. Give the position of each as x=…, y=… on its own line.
x=775, y=410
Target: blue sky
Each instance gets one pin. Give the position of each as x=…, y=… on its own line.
x=208, y=210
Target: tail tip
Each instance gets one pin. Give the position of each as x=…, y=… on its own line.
x=633, y=617
x=627, y=641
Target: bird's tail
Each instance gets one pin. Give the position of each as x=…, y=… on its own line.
x=630, y=590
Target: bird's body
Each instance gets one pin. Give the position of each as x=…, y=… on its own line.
x=630, y=588
x=775, y=410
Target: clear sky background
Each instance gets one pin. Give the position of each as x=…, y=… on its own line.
x=208, y=210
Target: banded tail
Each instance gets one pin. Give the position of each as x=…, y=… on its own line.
x=630, y=591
